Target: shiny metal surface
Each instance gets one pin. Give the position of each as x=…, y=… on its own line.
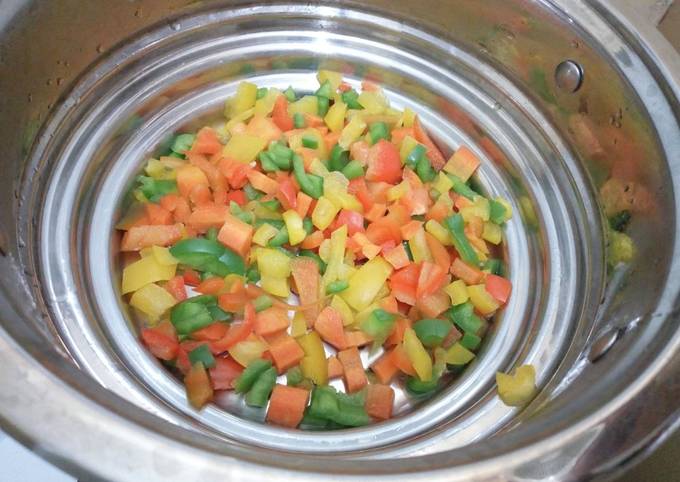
x=483, y=77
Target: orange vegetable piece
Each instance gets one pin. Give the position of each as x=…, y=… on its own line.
x=303, y=202
x=469, y=274
x=305, y=273
x=157, y=214
x=396, y=256
x=236, y=235
x=376, y=211
x=237, y=331
x=191, y=277
x=464, y=163
x=208, y=216
x=176, y=287
x=197, y=383
x=359, y=152
x=161, y=340
x=312, y=120
x=287, y=405
x=354, y=376
x=433, y=152
x=397, y=335
x=379, y=401
x=285, y=352
x=389, y=304
x=280, y=114
x=224, y=373
x=432, y=278
x=312, y=241
x=385, y=369
x=206, y=142
x=384, y=163
x=439, y=252
x=263, y=183
x=211, y=286
x=334, y=367
x=200, y=195
x=264, y=128
x=438, y=211
x=357, y=338
x=287, y=193
x=188, y=177
x=235, y=172
x=404, y=283
x=270, y=321
x=498, y=287
x=331, y=139
x=139, y=237
x=410, y=229
x=401, y=360
x=329, y=326
x=213, y=332
x=433, y=305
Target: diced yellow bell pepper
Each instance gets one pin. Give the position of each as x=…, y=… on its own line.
x=352, y=132
x=229, y=281
x=325, y=250
x=306, y=105
x=163, y=256
x=480, y=207
x=261, y=211
x=295, y=142
x=162, y=170
x=238, y=120
x=248, y=350
x=335, y=118
x=492, y=233
x=324, y=213
x=527, y=207
x=439, y=232
x=419, y=247
x=459, y=355
x=265, y=105
x=296, y=232
x=145, y=271
x=335, y=78
x=298, y=326
x=442, y=184
x=621, y=248
x=272, y=262
x=483, y=301
x=373, y=102
x=245, y=97
x=457, y=291
x=343, y=308
x=416, y=352
x=347, y=269
x=275, y=286
x=506, y=205
x=313, y=365
x=518, y=388
x=365, y=284
x=409, y=117
x=263, y=234
x=407, y=145
x=153, y=301
x=244, y=148
x=397, y=192
x=336, y=256
x=335, y=187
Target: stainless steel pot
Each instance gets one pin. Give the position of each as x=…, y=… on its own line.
x=572, y=105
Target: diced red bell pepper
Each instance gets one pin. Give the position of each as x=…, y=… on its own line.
x=191, y=277
x=352, y=219
x=238, y=196
x=432, y=278
x=287, y=194
x=433, y=152
x=206, y=142
x=498, y=287
x=280, y=114
x=384, y=163
x=224, y=373
x=404, y=283
x=213, y=332
x=161, y=344
x=177, y=288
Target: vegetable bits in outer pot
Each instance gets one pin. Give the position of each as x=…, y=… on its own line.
x=336, y=198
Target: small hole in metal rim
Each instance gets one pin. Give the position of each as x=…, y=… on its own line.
x=569, y=76
x=603, y=344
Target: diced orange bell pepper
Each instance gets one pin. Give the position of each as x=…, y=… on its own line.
x=469, y=274
x=285, y=352
x=385, y=369
x=330, y=327
x=139, y=237
x=236, y=235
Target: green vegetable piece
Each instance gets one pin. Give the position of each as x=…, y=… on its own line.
x=189, y=316
x=497, y=212
x=326, y=90
x=352, y=170
x=249, y=376
x=155, y=189
x=464, y=317
x=201, y=354
x=377, y=131
x=279, y=150
x=290, y=94
x=351, y=411
x=261, y=92
x=461, y=188
x=207, y=255
x=218, y=314
x=351, y=98
x=324, y=404
x=416, y=154
x=322, y=106
x=294, y=376
x=262, y=388
x=495, y=266
x=307, y=225
x=277, y=223
x=408, y=250
x=262, y=303
x=378, y=325
x=272, y=204
x=197, y=246
x=311, y=254
x=211, y=234
x=470, y=341
x=456, y=226
x=182, y=143
x=206, y=300
x=425, y=171
x=418, y=387
x=253, y=274
x=238, y=212
x=339, y=158
x=337, y=286
x=619, y=221
x=310, y=422
x=431, y=331
x=279, y=239
x=298, y=120
x=310, y=184
x=267, y=162
x=310, y=142
x=251, y=193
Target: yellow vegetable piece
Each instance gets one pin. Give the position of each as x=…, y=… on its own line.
x=397, y=192
x=527, y=207
x=409, y=117
x=229, y=281
x=365, y=284
x=243, y=148
x=296, y=232
x=335, y=78
x=163, y=256
x=459, y=355
x=439, y=232
x=517, y=388
x=324, y=213
x=162, y=169
x=343, y=308
x=621, y=248
x=419, y=247
x=313, y=365
x=295, y=142
x=335, y=187
x=145, y=271
x=306, y=105
x=298, y=325
x=273, y=263
x=442, y=184
x=245, y=97
x=492, y=233
x=263, y=234
x=480, y=208
x=457, y=291
x=238, y=120
x=246, y=351
x=262, y=212
x=373, y=102
x=352, y=131
x=325, y=250
x=483, y=301
x=416, y=352
x=335, y=118
x=265, y=105
x=407, y=145
x=153, y=301
x=275, y=286
x=336, y=256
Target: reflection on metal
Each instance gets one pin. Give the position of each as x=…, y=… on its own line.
x=569, y=76
x=602, y=345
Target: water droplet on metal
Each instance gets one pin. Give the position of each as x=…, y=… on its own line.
x=497, y=106
x=602, y=345
x=569, y=76
x=176, y=26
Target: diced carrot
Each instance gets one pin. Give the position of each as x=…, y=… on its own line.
x=397, y=335
x=237, y=331
x=197, y=383
x=200, y=195
x=176, y=288
x=262, y=182
x=191, y=277
x=433, y=305
x=498, y=287
x=463, y=163
x=233, y=302
x=462, y=202
x=213, y=332
x=312, y=241
x=157, y=214
x=432, y=278
x=334, y=367
x=287, y=194
x=208, y=216
x=376, y=211
x=476, y=225
x=285, y=352
x=280, y=114
x=206, y=142
x=270, y=321
x=264, y=128
x=305, y=273
x=312, y=120
x=224, y=373
x=330, y=327
x=211, y=286
x=287, y=405
x=389, y=304
x=139, y=237
x=354, y=375
x=379, y=401
x=303, y=202
x=410, y=229
x=433, y=152
x=357, y=338
x=384, y=369
x=215, y=178
x=188, y=177
x=469, y=274
x=401, y=360
x=396, y=256
x=236, y=234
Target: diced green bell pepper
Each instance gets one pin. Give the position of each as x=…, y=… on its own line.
x=258, y=395
x=456, y=226
x=432, y=332
x=201, y=354
x=247, y=378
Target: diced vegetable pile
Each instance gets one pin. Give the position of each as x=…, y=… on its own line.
x=299, y=235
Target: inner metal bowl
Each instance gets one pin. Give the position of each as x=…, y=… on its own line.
x=597, y=333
